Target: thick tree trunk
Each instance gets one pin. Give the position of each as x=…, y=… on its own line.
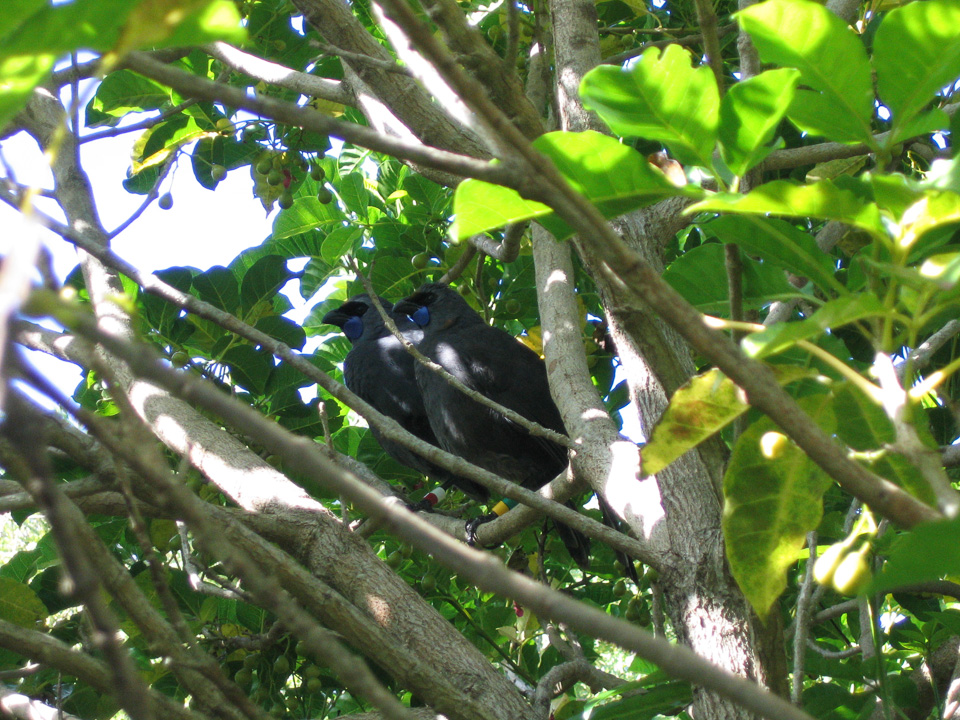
x=708, y=611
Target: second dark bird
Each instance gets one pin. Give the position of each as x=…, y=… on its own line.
x=380, y=371
x=490, y=361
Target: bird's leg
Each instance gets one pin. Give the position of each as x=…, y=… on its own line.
x=499, y=509
x=473, y=525
x=429, y=500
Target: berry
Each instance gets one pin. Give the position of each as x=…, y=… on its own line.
x=218, y=172
x=420, y=261
x=166, y=201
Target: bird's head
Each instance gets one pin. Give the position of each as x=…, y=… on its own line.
x=353, y=315
x=436, y=305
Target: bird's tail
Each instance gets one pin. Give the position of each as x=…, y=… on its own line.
x=577, y=544
x=611, y=520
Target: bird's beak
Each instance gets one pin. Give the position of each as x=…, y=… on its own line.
x=334, y=317
x=405, y=307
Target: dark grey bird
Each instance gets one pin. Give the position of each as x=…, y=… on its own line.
x=380, y=371
x=492, y=362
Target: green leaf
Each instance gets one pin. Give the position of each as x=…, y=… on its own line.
x=706, y=404
x=916, y=52
x=282, y=329
x=19, y=75
x=660, y=97
x=215, y=20
x=125, y=91
x=823, y=199
x=831, y=315
x=665, y=699
x=929, y=552
x=614, y=177
x=340, y=242
x=355, y=196
x=218, y=286
x=306, y=214
x=700, y=276
x=930, y=212
x=831, y=60
x=772, y=498
x=19, y=604
x=780, y=243
x=249, y=368
x=749, y=115
x=262, y=281
x=64, y=27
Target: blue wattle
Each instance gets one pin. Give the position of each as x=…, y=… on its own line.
x=421, y=317
x=353, y=328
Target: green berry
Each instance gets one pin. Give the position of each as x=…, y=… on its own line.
x=314, y=685
x=166, y=201
x=317, y=172
x=428, y=584
x=218, y=172
x=512, y=306
x=179, y=359
x=274, y=177
x=324, y=196
x=281, y=666
x=619, y=588
x=264, y=165
x=394, y=559
x=420, y=261
x=243, y=678
x=224, y=126
x=285, y=201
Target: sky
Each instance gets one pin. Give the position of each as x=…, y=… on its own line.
x=204, y=227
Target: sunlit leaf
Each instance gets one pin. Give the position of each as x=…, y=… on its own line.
x=749, y=115
x=831, y=60
x=703, y=406
x=916, y=52
x=660, y=97
x=833, y=314
x=772, y=498
x=613, y=176
x=823, y=200
x=306, y=214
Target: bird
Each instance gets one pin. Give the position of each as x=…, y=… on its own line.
x=492, y=362
x=379, y=370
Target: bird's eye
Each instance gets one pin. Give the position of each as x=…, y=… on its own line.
x=421, y=316
x=353, y=328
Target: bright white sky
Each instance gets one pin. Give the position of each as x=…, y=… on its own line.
x=204, y=228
